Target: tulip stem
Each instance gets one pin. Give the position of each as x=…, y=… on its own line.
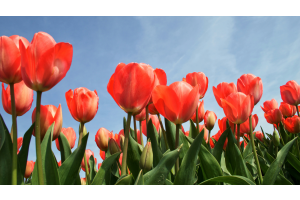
x=14, y=135
x=135, y=131
x=297, y=111
x=163, y=131
x=178, y=126
x=197, y=121
x=87, y=174
x=280, y=135
x=208, y=141
x=37, y=133
x=80, y=133
x=254, y=150
x=141, y=134
x=124, y=159
x=238, y=136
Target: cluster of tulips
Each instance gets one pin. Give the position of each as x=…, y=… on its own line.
x=170, y=155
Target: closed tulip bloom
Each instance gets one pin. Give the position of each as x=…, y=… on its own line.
x=245, y=127
x=200, y=112
x=273, y=116
x=19, y=143
x=290, y=93
x=198, y=78
x=222, y=124
x=48, y=115
x=131, y=86
x=118, y=137
x=292, y=124
x=29, y=169
x=152, y=110
x=155, y=122
x=223, y=90
x=142, y=115
x=70, y=135
x=210, y=119
x=269, y=105
x=102, y=154
x=45, y=62
x=101, y=138
x=146, y=159
x=250, y=85
x=113, y=147
x=88, y=154
x=83, y=181
x=259, y=135
x=82, y=104
x=10, y=58
x=238, y=107
x=161, y=79
x=287, y=110
x=202, y=126
x=23, y=98
x=176, y=102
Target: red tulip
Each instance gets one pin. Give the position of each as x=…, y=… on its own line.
x=121, y=158
x=45, y=62
x=259, y=135
x=19, y=143
x=223, y=90
x=59, y=163
x=131, y=86
x=29, y=169
x=210, y=119
x=142, y=115
x=269, y=105
x=10, y=58
x=273, y=116
x=176, y=102
x=155, y=122
x=83, y=104
x=250, y=85
x=83, y=181
x=222, y=125
x=101, y=138
x=70, y=135
x=88, y=154
x=290, y=93
x=202, y=126
x=238, y=107
x=292, y=124
x=287, y=110
x=102, y=154
x=119, y=136
x=198, y=78
x=184, y=79
x=187, y=133
x=99, y=165
x=161, y=79
x=217, y=137
x=152, y=110
x=23, y=98
x=200, y=112
x=245, y=127
x=48, y=115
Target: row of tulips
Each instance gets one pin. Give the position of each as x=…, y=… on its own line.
x=171, y=154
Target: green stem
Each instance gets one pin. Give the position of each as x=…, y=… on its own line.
x=197, y=121
x=208, y=143
x=38, y=138
x=141, y=134
x=178, y=126
x=297, y=145
x=80, y=133
x=147, y=119
x=163, y=131
x=135, y=131
x=297, y=111
x=280, y=135
x=254, y=150
x=87, y=174
x=124, y=160
x=238, y=136
x=14, y=135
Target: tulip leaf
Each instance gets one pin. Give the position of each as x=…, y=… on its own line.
x=158, y=175
x=2, y=132
x=140, y=179
x=186, y=173
x=218, y=149
x=69, y=168
x=49, y=163
x=232, y=180
x=105, y=167
x=162, y=141
x=273, y=171
x=92, y=168
x=283, y=133
x=152, y=134
x=293, y=161
x=168, y=182
x=170, y=133
x=65, y=149
x=125, y=180
x=134, y=153
x=193, y=130
x=248, y=150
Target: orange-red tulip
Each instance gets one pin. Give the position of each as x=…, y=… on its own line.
x=198, y=78
x=88, y=154
x=161, y=79
x=131, y=86
x=102, y=154
x=176, y=102
x=290, y=93
x=152, y=110
x=200, y=112
x=155, y=122
x=70, y=135
x=269, y=105
x=245, y=127
x=217, y=137
x=82, y=104
x=10, y=58
x=223, y=90
x=19, y=143
x=187, y=133
x=59, y=163
x=29, y=169
x=222, y=125
x=259, y=135
x=23, y=98
x=292, y=124
x=287, y=110
x=202, y=126
x=118, y=137
x=142, y=115
x=273, y=116
x=45, y=62
x=250, y=85
x=210, y=119
x=238, y=107
x=101, y=138
x=48, y=115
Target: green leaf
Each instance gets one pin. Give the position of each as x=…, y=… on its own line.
x=140, y=179
x=284, y=135
x=158, y=175
x=92, y=168
x=186, y=173
x=134, y=153
x=291, y=158
x=69, y=169
x=218, y=149
x=168, y=182
x=125, y=180
x=248, y=150
x=275, y=167
x=152, y=134
x=185, y=146
x=193, y=130
x=105, y=167
x=170, y=133
x=65, y=149
x=2, y=132
x=233, y=180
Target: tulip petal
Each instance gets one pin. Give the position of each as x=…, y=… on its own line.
x=6, y=99
x=71, y=104
x=189, y=105
x=58, y=122
x=289, y=95
x=161, y=76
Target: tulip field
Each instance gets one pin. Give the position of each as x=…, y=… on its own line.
x=236, y=155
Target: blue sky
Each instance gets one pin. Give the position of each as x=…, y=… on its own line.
x=223, y=48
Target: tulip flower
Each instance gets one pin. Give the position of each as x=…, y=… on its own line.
x=245, y=127
x=223, y=90
x=29, y=169
x=142, y=115
x=269, y=105
x=113, y=146
x=201, y=112
x=290, y=93
x=222, y=125
x=292, y=124
x=152, y=109
x=59, y=163
x=88, y=154
x=287, y=110
x=23, y=98
x=19, y=143
x=101, y=138
x=273, y=116
x=99, y=165
x=70, y=135
x=202, y=126
x=118, y=137
x=161, y=79
x=102, y=154
x=259, y=135
x=155, y=122
x=83, y=181
x=198, y=78
x=250, y=85
x=187, y=133
x=210, y=119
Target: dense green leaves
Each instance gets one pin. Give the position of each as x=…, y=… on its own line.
x=65, y=149
x=152, y=134
x=91, y=162
x=133, y=156
x=193, y=130
x=218, y=149
x=140, y=179
x=125, y=180
x=233, y=180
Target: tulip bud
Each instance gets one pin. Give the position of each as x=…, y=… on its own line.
x=122, y=141
x=83, y=181
x=210, y=119
x=101, y=138
x=146, y=159
x=113, y=147
x=276, y=140
x=29, y=169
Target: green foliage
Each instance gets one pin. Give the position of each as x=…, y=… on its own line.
x=65, y=149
